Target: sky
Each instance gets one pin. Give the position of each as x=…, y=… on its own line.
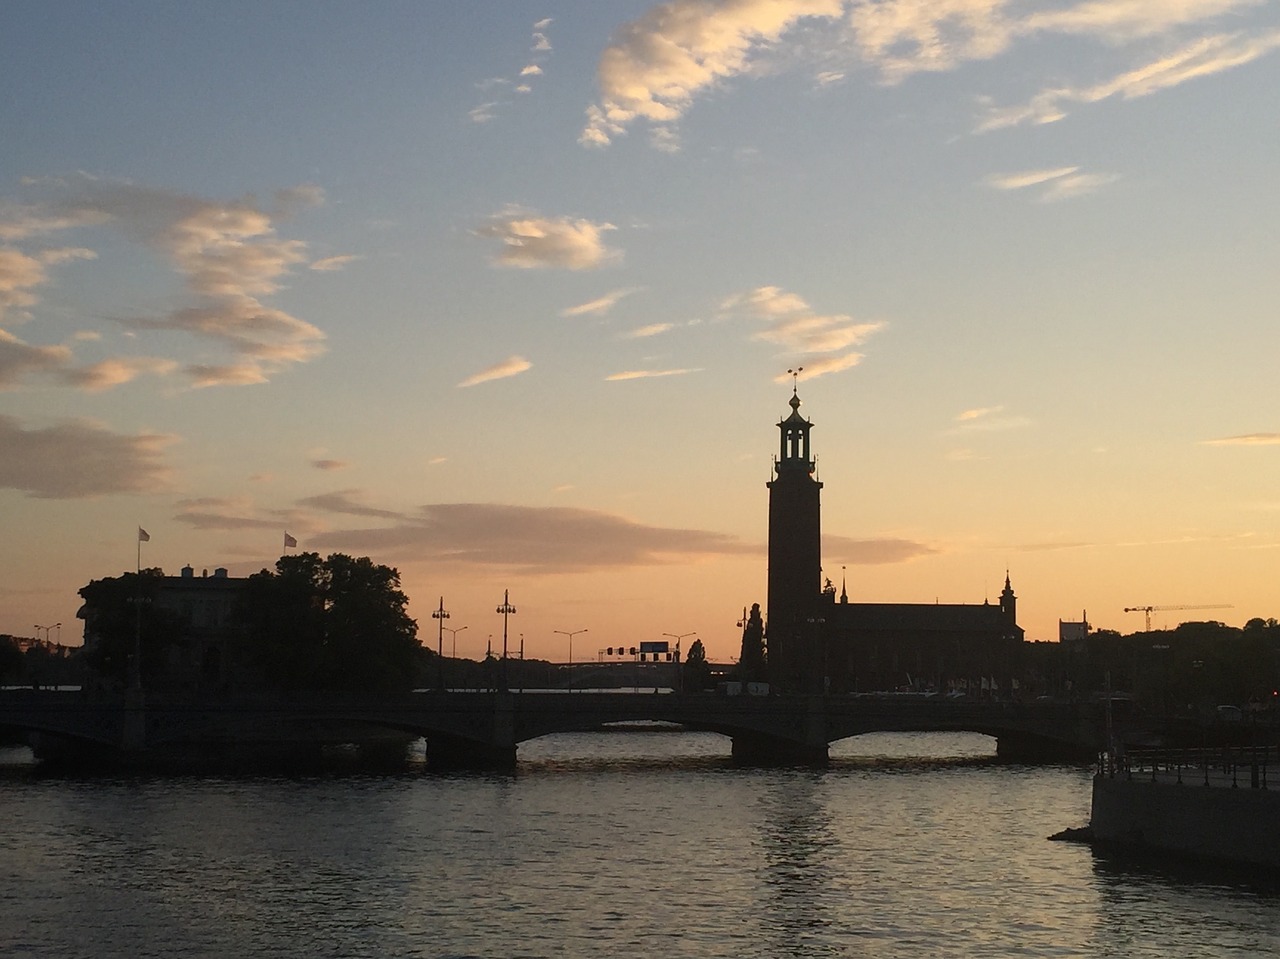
x=505, y=296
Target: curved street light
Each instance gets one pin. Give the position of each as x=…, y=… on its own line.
x=453, y=633
x=570, y=633
x=679, y=672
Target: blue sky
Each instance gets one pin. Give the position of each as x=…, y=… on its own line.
x=505, y=296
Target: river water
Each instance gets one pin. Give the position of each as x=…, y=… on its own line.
x=622, y=844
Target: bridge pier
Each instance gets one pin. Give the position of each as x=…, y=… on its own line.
x=756, y=750
x=452, y=752
x=1011, y=748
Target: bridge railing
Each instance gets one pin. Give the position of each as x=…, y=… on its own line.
x=1229, y=766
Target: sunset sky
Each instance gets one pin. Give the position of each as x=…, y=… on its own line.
x=505, y=295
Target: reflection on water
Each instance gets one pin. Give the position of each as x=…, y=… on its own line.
x=635, y=844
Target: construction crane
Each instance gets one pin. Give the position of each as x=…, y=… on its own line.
x=1148, y=610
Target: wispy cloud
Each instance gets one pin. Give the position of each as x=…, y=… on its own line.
x=791, y=324
x=109, y=373
x=987, y=419
x=227, y=254
x=539, y=49
x=21, y=274
x=1202, y=57
x=645, y=374
x=872, y=552
x=511, y=366
x=600, y=305
x=1246, y=439
x=331, y=263
x=348, y=502
x=978, y=413
x=18, y=359
x=643, y=332
x=537, y=242
x=1059, y=184
x=655, y=66
x=78, y=460
x=531, y=539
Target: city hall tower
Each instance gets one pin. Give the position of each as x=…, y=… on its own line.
x=795, y=549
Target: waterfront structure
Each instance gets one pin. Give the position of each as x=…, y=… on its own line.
x=818, y=644
x=202, y=606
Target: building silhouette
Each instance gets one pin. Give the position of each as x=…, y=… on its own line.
x=816, y=643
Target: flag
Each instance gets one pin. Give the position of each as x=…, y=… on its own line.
x=289, y=541
x=143, y=535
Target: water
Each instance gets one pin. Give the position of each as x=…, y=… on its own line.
x=628, y=844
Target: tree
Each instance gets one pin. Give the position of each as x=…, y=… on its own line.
x=751, y=663
x=336, y=624
x=697, y=671
x=12, y=662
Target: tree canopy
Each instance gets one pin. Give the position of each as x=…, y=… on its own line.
x=697, y=671
x=336, y=624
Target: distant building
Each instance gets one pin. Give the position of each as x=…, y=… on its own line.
x=206, y=606
x=816, y=644
x=1069, y=632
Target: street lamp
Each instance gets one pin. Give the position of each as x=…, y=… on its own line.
x=570, y=633
x=679, y=672
x=506, y=609
x=440, y=615
x=453, y=633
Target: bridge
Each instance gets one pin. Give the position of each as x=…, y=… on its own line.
x=484, y=729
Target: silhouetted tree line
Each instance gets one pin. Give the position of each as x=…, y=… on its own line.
x=39, y=665
x=1176, y=671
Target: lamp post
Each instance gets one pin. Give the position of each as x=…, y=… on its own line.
x=440, y=615
x=506, y=609
x=679, y=672
x=571, y=633
x=453, y=633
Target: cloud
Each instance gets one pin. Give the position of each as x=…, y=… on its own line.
x=1129, y=19
x=227, y=253
x=21, y=274
x=1247, y=439
x=116, y=371
x=347, y=502
x=1018, y=181
x=645, y=374
x=987, y=420
x=18, y=359
x=511, y=366
x=872, y=552
x=1202, y=57
x=902, y=37
x=643, y=332
x=655, y=66
x=78, y=460
x=820, y=366
x=1059, y=184
x=600, y=305
x=535, y=242
x=977, y=413
x=331, y=263
x=798, y=330
x=531, y=539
